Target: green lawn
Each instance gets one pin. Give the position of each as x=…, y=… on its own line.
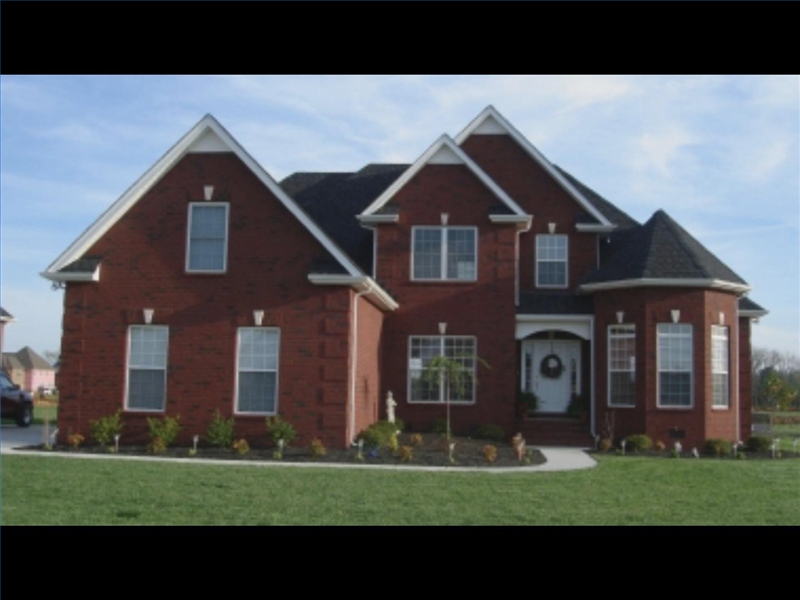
x=620, y=491
x=40, y=413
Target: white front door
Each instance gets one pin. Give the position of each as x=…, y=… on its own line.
x=554, y=391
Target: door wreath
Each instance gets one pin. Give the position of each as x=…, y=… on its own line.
x=551, y=366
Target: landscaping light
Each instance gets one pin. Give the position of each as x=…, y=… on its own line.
x=623, y=443
x=208, y=192
x=116, y=443
x=678, y=447
x=451, y=448
x=196, y=438
x=794, y=445
x=53, y=437
x=775, y=444
x=695, y=453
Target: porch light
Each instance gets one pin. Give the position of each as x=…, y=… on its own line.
x=148, y=315
x=676, y=315
x=258, y=317
x=208, y=192
x=445, y=216
x=442, y=328
x=620, y=317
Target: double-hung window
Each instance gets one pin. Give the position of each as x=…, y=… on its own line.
x=719, y=366
x=551, y=261
x=147, y=367
x=444, y=253
x=207, y=244
x=458, y=349
x=675, y=365
x=257, y=371
x=622, y=365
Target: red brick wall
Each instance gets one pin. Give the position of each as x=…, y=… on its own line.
x=745, y=380
x=539, y=194
x=368, y=382
x=484, y=309
x=269, y=254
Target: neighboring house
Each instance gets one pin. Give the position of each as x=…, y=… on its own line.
x=5, y=317
x=28, y=370
x=207, y=286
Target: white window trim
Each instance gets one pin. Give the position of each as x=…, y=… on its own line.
x=128, y=370
x=566, y=261
x=442, y=399
x=609, y=337
x=236, y=410
x=727, y=372
x=189, y=237
x=658, y=371
x=443, y=257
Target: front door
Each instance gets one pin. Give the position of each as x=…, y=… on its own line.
x=551, y=369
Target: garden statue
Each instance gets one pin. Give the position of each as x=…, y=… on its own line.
x=390, y=404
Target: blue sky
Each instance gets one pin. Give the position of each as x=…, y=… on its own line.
x=719, y=154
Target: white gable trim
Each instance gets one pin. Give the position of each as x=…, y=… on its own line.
x=477, y=127
x=718, y=284
x=199, y=139
x=360, y=284
x=73, y=276
x=443, y=151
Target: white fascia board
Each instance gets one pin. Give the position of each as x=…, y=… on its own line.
x=208, y=123
x=93, y=276
x=359, y=283
x=534, y=318
x=510, y=218
x=591, y=228
x=753, y=314
x=378, y=218
x=490, y=111
x=719, y=284
x=445, y=141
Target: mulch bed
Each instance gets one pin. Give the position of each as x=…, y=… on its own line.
x=432, y=452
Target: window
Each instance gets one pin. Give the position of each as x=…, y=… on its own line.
x=675, y=365
x=257, y=371
x=719, y=366
x=622, y=365
x=147, y=367
x=551, y=261
x=444, y=253
x=207, y=247
x=423, y=349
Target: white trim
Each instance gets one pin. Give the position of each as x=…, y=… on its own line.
x=592, y=228
x=445, y=141
x=378, y=218
x=192, y=206
x=442, y=400
x=443, y=257
x=653, y=282
x=236, y=410
x=521, y=219
x=727, y=339
x=631, y=335
x=660, y=406
x=537, y=260
x=490, y=111
x=580, y=325
x=125, y=406
x=56, y=276
x=359, y=283
x=142, y=185
x=753, y=314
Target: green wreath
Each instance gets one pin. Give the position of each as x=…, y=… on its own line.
x=551, y=366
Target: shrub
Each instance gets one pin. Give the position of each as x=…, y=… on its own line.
x=416, y=439
x=759, y=443
x=439, y=426
x=381, y=434
x=241, y=446
x=105, y=428
x=489, y=453
x=491, y=431
x=392, y=444
x=639, y=442
x=717, y=447
x=674, y=454
x=317, y=448
x=605, y=445
x=156, y=446
x=659, y=446
x=220, y=431
x=406, y=453
x=279, y=429
x=75, y=440
x=165, y=429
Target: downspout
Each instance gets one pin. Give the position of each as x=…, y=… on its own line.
x=736, y=375
x=353, y=359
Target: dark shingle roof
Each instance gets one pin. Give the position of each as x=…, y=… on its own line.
x=5, y=315
x=619, y=218
x=537, y=303
x=746, y=304
x=333, y=200
x=83, y=265
x=659, y=249
x=28, y=359
x=11, y=362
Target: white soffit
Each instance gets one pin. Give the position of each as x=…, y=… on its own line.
x=490, y=126
x=208, y=142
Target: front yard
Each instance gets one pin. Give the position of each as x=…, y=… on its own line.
x=619, y=491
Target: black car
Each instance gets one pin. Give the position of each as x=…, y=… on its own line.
x=17, y=403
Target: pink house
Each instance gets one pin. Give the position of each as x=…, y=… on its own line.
x=29, y=370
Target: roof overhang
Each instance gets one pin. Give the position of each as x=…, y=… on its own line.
x=594, y=228
x=83, y=276
x=479, y=126
x=521, y=221
x=718, y=284
x=361, y=284
x=753, y=314
x=376, y=219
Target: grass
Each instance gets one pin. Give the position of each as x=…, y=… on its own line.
x=619, y=491
x=787, y=433
x=40, y=413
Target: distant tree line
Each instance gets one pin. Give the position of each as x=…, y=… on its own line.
x=776, y=380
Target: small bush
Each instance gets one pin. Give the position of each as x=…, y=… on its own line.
x=491, y=431
x=381, y=434
x=605, y=445
x=317, y=448
x=156, y=446
x=759, y=443
x=279, y=429
x=639, y=442
x=416, y=439
x=489, y=453
x=717, y=447
x=220, y=431
x=674, y=454
x=75, y=440
x=165, y=429
x=438, y=426
x=659, y=446
x=406, y=453
x=393, y=443
x=105, y=428
x=741, y=456
x=241, y=446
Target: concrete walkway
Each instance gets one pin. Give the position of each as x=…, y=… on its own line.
x=558, y=459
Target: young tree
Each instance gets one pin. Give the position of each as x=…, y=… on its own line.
x=454, y=375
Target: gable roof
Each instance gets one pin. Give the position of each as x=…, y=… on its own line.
x=619, y=218
x=207, y=135
x=748, y=308
x=491, y=122
x=661, y=252
x=5, y=316
x=11, y=362
x=442, y=151
x=27, y=359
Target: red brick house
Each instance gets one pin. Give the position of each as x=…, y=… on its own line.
x=209, y=286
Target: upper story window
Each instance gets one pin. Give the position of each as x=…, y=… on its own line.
x=551, y=261
x=207, y=243
x=675, y=365
x=444, y=253
x=147, y=367
x=719, y=366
